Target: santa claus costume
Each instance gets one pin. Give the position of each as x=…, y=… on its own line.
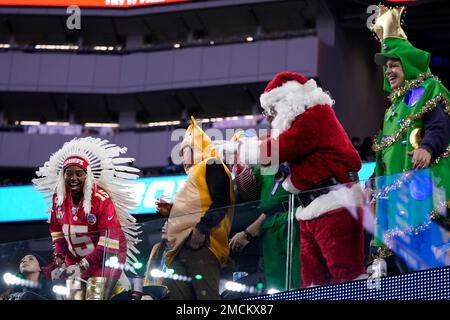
x=323, y=176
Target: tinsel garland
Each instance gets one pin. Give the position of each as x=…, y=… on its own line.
x=436, y=160
x=408, y=122
x=447, y=107
x=434, y=215
x=383, y=252
x=405, y=176
x=409, y=85
x=392, y=187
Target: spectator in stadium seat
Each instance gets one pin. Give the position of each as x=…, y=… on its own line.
x=31, y=268
x=367, y=154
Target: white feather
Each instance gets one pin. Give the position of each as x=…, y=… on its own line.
x=105, y=170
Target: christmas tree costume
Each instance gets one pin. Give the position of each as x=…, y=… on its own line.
x=404, y=130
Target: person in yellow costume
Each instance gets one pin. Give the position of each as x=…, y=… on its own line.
x=199, y=220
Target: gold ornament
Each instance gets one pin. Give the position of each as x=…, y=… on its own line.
x=388, y=23
x=415, y=137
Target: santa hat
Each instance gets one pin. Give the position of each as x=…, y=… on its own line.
x=290, y=94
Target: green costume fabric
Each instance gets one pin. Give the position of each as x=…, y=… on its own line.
x=402, y=131
x=273, y=235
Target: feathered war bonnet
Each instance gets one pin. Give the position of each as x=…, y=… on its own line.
x=104, y=168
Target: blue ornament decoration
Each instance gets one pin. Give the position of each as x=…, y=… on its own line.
x=413, y=96
x=421, y=187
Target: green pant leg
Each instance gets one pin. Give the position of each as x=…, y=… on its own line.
x=274, y=243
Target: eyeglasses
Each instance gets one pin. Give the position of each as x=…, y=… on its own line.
x=270, y=113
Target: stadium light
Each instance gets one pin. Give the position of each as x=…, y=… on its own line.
x=56, y=47
x=30, y=123
x=61, y=290
x=57, y=123
x=156, y=273
x=101, y=125
x=103, y=48
x=10, y=279
x=234, y=286
x=170, y=271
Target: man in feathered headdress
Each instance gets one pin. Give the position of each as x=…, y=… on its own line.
x=91, y=200
x=199, y=220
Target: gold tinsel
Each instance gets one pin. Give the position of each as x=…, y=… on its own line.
x=410, y=84
x=446, y=154
x=384, y=252
x=439, y=218
x=447, y=107
x=409, y=121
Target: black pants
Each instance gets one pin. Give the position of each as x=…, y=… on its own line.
x=190, y=263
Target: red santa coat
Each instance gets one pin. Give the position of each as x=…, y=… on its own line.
x=316, y=147
x=308, y=136
x=78, y=236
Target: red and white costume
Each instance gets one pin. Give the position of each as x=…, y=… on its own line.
x=100, y=226
x=309, y=138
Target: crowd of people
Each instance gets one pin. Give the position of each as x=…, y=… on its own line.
x=307, y=162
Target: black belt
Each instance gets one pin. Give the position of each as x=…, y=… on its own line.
x=304, y=198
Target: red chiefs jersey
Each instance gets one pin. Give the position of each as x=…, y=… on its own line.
x=95, y=237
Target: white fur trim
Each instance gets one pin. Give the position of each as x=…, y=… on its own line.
x=249, y=151
x=292, y=99
x=342, y=197
x=289, y=186
x=362, y=276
